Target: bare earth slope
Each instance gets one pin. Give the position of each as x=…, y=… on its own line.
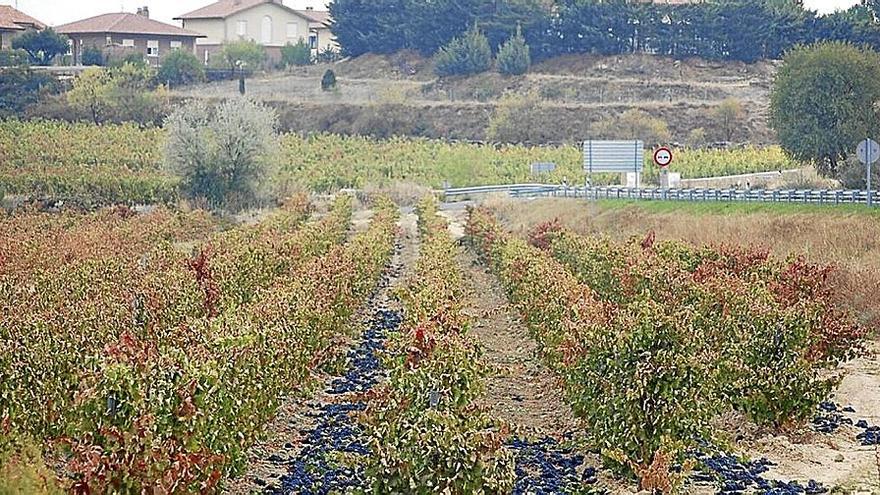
x=575, y=91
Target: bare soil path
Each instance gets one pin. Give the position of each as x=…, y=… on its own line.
x=521, y=390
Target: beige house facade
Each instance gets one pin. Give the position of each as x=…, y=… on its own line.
x=267, y=22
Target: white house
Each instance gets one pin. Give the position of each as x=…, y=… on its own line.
x=268, y=22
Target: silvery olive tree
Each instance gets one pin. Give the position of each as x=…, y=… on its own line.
x=223, y=154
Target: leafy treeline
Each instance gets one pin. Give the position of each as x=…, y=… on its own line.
x=746, y=30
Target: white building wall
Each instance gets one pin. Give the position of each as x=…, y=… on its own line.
x=255, y=19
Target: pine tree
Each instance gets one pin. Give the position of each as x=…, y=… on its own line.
x=514, y=57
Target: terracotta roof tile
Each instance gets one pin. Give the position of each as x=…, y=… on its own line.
x=225, y=8
x=126, y=23
x=13, y=19
x=320, y=17
x=222, y=9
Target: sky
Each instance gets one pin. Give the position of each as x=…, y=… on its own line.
x=56, y=12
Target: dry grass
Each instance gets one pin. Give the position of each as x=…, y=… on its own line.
x=402, y=193
x=848, y=240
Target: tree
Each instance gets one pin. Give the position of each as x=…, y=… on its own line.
x=729, y=115
x=387, y=26
x=824, y=101
x=632, y=124
x=91, y=94
x=296, y=55
x=249, y=54
x=118, y=94
x=223, y=155
x=514, y=57
x=180, y=68
x=42, y=46
x=517, y=120
x=468, y=54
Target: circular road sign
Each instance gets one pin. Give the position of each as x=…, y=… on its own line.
x=663, y=157
x=868, y=151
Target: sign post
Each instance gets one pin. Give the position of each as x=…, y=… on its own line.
x=613, y=156
x=868, y=152
x=663, y=158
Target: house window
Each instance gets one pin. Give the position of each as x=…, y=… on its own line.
x=291, y=30
x=128, y=43
x=313, y=41
x=242, y=28
x=176, y=44
x=153, y=48
x=266, y=30
x=109, y=40
x=69, y=47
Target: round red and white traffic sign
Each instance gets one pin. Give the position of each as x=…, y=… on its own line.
x=663, y=157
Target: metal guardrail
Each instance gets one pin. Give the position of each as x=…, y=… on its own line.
x=817, y=196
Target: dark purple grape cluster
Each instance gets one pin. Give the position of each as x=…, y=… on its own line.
x=364, y=367
x=871, y=435
x=830, y=418
x=313, y=470
x=736, y=476
x=545, y=467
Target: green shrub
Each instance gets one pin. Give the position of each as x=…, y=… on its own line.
x=222, y=155
x=514, y=56
x=328, y=80
x=644, y=386
x=328, y=55
x=823, y=102
x=13, y=58
x=92, y=55
x=115, y=60
x=296, y=55
x=465, y=55
x=118, y=94
x=632, y=124
x=20, y=88
x=245, y=54
x=518, y=119
x=179, y=68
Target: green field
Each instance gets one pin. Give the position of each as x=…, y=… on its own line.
x=92, y=165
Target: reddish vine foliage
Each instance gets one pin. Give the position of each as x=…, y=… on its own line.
x=648, y=242
x=541, y=236
x=201, y=265
x=837, y=336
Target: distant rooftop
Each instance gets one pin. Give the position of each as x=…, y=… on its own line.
x=225, y=8
x=11, y=18
x=124, y=22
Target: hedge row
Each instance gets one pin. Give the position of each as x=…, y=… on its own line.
x=654, y=340
x=424, y=428
x=165, y=388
